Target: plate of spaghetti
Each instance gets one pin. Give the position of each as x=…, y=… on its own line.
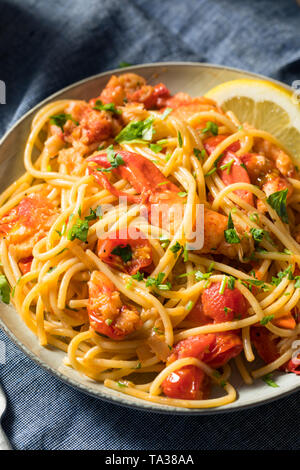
x=150, y=251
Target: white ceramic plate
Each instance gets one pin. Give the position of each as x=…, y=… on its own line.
x=194, y=79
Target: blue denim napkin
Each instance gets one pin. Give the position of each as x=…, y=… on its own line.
x=45, y=46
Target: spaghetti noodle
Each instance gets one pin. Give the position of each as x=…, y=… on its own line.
x=97, y=253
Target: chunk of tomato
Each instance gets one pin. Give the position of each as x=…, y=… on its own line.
x=223, y=307
x=265, y=344
x=227, y=346
x=187, y=383
x=25, y=264
x=194, y=346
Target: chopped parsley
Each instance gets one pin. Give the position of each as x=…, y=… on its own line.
x=211, y=127
x=79, y=230
x=125, y=252
x=121, y=384
x=123, y=64
x=99, y=106
x=185, y=253
x=297, y=283
x=4, y=289
x=257, y=234
x=94, y=214
x=179, y=139
x=230, y=234
x=287, y=272
x=175, y=248
x=138, y=276
x=256, y=282
x=156, y=147
x=60, y=120
x=227, y=166
x=182, y=194
x=269, y=381
x=157, y=282
x=223, y=285
x=166, y=113
x=189, y=305
x=199, y=276
x=264, y=321
x=254, y=217
x=215, y=167
x=231, y=282
x=137, y=130
x=114, y=158
x=164, y=241
x=197, y=153
x=277, y=201
x=227, y=309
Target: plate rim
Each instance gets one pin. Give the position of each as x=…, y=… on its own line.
x=123, y=399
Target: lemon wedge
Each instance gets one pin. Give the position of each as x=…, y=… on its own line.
x=266, y=106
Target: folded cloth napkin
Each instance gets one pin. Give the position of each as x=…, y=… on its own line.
x=45, y=46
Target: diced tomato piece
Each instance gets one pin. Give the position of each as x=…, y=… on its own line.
x=294, y=366
x=223, y=307
x=214, y=349
x=211, y=143
x=194, y=346
x=138, y=250
x=187, y=383
x=197, y=316
x=265, y=343
x=25, y=264
x=235, y=173
x=227, y=346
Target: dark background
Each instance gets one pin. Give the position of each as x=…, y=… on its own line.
x=45, y=46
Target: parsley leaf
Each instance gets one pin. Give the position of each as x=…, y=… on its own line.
x=157, y=282
x=257, y=283
x=125, y=252
x=297, y=283
x=265, y=320
x=79, y=230
x=231, y=282
x=60, y=120
x=156, y=148
x=230, y=234
x=123, y=64
x=94, y=214
x=99, y=106
x=137, y=130
x=257, y=234
x=179, y=139
x=227, y=166
x=4, y=289
x=138, y=276
x=277, y=201
x=175, y=248
x=269, y=381
x=166, y=113
x=164, y=241
x=211, y=127
x=199, y=276
x=287, y=272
